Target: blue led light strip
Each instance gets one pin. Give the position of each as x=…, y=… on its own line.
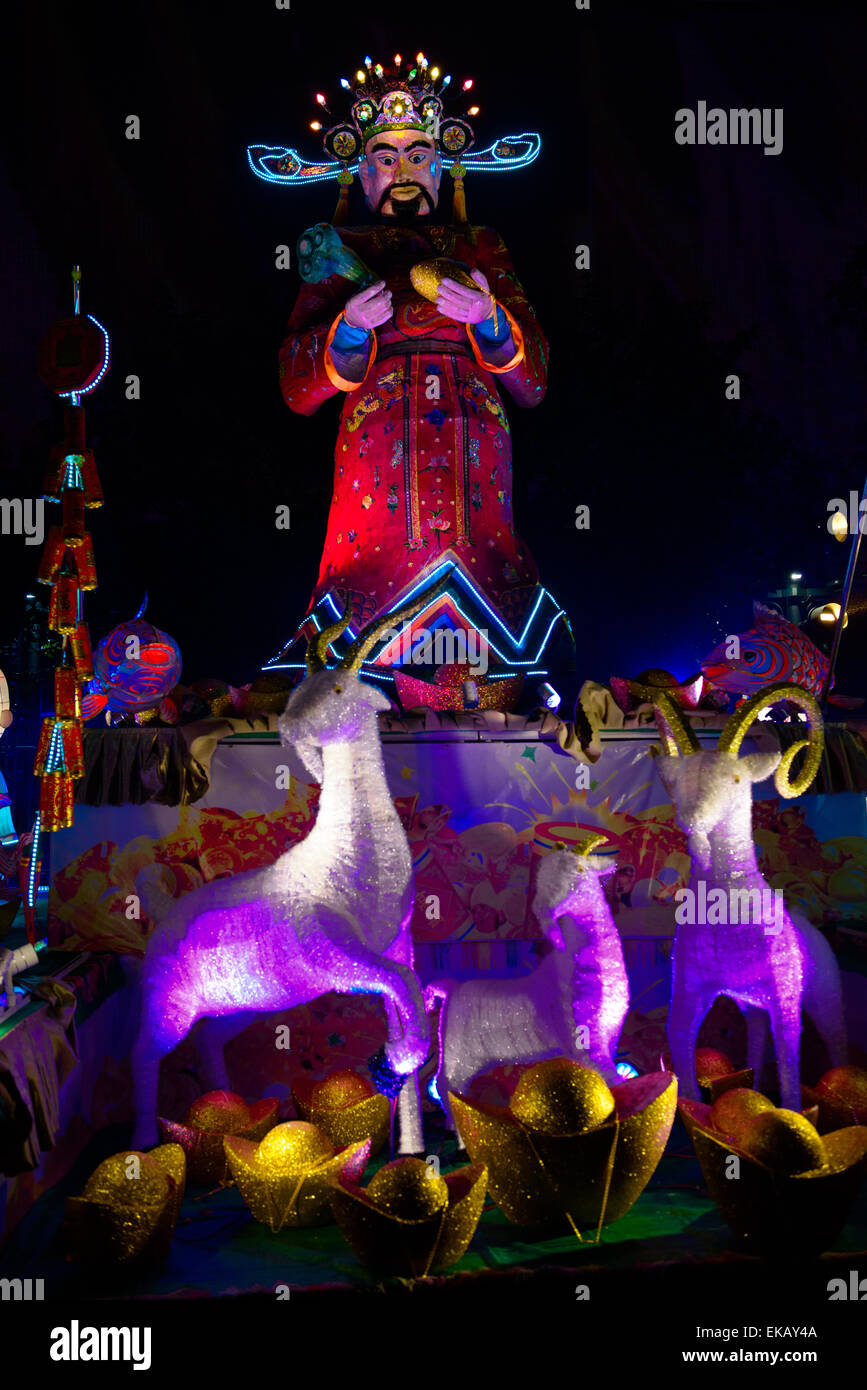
x=308, y=171
x=74, y=395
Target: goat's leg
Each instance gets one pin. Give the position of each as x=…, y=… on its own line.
x=410, y=1131
x=164, y=1023
x=214, y=1036
x=830, y=1026
x=785, y=1017
x=822, y=998
x=757, y=1037
x=685, y=1015
x=409, y=1125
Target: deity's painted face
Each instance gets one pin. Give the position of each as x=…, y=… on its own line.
x=401, y=173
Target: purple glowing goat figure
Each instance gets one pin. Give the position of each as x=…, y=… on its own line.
x=332, y=913
x=573, y=1004
x=770, y=968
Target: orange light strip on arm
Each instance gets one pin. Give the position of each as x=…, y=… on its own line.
x=517, y=339
x=341, y=382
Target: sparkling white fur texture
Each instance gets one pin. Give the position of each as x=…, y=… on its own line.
x=776, y=969
x=333, y=913
x=582, y=982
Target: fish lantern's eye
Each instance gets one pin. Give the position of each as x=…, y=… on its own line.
x=338, y=689
x=737, y=778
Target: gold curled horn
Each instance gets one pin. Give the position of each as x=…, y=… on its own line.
x=746, y=714
x=318, y=646
x=584, y=847
x=678, y=738
x=370, y=635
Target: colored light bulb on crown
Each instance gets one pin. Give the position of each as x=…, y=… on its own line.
x=360, y=76
x=397, y=60
x=315, y=125
x=320, y=99
x=474, y=111
x=368, y=62
x=344, y=82
x=434, y=72
x=468, y=84
x=447, y=79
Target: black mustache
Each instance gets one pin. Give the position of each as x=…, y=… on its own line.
x=410, y=183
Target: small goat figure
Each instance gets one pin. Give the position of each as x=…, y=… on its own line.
x=332, y=913
x=581, y=984
x=775, y=967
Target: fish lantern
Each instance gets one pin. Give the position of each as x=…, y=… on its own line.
x=135, y=667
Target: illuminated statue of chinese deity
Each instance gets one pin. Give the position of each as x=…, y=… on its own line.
x=416, y=323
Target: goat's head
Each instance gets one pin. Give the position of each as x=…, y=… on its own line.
x=569, y=878
x=333, y=705
x=708, y=785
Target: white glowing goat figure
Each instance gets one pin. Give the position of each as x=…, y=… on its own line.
x=573, y=1004
x=332, y=913
x=775, y=966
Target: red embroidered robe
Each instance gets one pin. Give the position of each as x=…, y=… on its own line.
x=423, y=463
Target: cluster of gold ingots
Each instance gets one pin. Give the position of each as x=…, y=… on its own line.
x=566, y=1153
x=798, y=1172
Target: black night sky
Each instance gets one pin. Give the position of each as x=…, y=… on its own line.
x=704, y=262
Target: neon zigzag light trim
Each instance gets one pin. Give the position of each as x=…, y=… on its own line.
x=310, y=171
x=450, y=568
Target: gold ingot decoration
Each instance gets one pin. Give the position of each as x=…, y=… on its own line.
x=583, y=1179
x=346, y=1107
x=784, y=1141
x=409, y=1220
x=427, y=276
x=735, y=1110
x=128, y=1211
x=841, y=1097
x=561, y=1099
x=288, y=1179
x=716, y=1075
x=779, y=1213
x=208, y=1120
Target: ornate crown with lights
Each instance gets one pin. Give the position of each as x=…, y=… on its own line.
x=389, y=99
x=386, y=99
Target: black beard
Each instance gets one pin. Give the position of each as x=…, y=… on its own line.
x=406, y=213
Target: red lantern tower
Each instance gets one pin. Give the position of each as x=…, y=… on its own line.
x=73, y=359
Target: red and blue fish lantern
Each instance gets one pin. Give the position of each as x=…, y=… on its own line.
x=135, y=667
x=773, y=651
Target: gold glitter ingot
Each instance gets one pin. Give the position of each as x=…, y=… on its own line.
x=409, y=1220
x=124, y=1219
x=784, y=1141
x=287, y=1179
x=776, y=1213
x=584, y=1179
x=427, y=276
x=735, y=1110
x=346, y=1108
x=561, y=1099
x=208, y=1120
x=841, y=1096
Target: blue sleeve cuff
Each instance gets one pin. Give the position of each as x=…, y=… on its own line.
x=492, y=337
x=347, y=338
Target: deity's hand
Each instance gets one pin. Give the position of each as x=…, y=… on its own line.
x=369, y=308
x=463, y=304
